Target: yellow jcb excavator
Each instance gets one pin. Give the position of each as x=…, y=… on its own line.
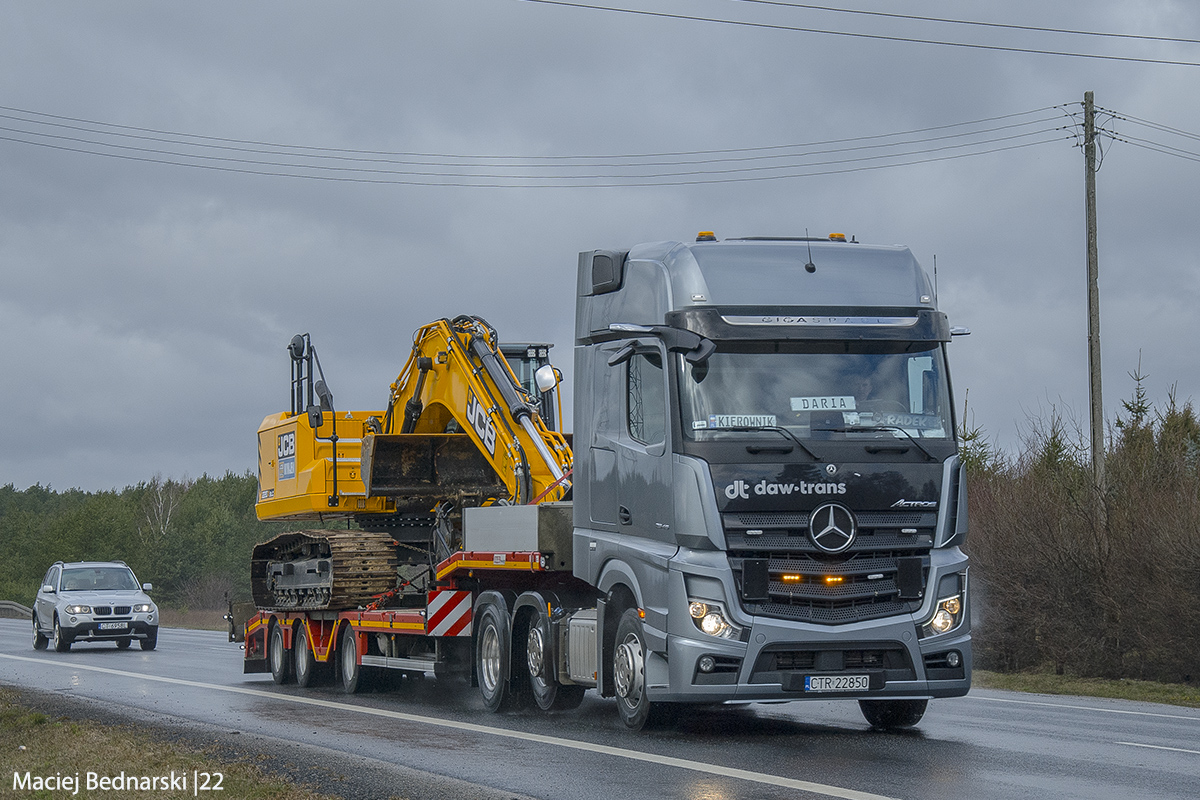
x=459, y=430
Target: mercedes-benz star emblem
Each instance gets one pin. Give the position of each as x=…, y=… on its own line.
x=832, y=527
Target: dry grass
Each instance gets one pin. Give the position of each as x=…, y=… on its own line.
x=199, y=620
x=1177, y=694
x=34, y=743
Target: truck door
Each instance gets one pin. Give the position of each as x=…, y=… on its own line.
x=645, y=507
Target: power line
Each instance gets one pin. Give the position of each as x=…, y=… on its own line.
x=643, y=175
x=1155, y=125
x=974, y=23
x=612, y=182
x=860, y=35
x=1158, y=147
x=811, y=150
x=250, y=143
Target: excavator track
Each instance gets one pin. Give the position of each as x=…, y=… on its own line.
x=322, y=570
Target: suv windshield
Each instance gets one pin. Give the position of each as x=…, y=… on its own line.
x=98, y=579
x=818, y=395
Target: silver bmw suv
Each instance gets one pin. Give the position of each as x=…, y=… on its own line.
x=93, y=601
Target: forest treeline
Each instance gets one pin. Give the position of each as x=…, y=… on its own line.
x=1086, y=583
x=1062, y=578
x=190, y=538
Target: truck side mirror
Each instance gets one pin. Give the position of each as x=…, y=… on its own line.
x=315, y=418
x=624, y=354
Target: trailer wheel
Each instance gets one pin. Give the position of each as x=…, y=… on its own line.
x=277, y=656
x=548, y=693
x=305, y=663
x=892, y=714
x=354, y=678
x=492, y=649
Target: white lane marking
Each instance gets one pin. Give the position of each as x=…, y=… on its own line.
x=1086, y=708
x=1160, y=747
x=574, y=744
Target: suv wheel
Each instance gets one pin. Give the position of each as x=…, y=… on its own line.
x=151, y=640
x=39, y=639
x=61, y=643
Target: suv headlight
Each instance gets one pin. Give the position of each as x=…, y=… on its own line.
x=143, y=608
x=709, y=618
x=79, y=609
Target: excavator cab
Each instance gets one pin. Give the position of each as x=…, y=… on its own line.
x=525, y=359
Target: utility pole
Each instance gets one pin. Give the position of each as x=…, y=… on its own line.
x=1093, y=270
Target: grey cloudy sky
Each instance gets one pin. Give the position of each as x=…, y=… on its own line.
x=145, y=306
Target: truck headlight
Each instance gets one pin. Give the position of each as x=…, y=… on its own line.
x=79, y=609
x=709, y=618
x=946, y=617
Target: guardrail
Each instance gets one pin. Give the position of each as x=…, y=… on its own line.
x=13, y=610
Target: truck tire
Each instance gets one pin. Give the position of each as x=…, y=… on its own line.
x=892, y=714
x=278, y=657
x=629, y=676
x=349, y=669
x=62, y=642
x=493, y=644
x=548, y=693
x=39, y=639
x=304, y=664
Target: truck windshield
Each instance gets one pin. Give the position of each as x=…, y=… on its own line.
x=817, y=395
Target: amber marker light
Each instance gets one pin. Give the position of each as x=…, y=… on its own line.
x=791, y=578
x=833, y=579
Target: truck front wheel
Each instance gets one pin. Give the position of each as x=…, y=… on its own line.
x=629, y=676
x=891, y=714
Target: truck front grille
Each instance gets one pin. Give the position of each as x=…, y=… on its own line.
x=805, y=583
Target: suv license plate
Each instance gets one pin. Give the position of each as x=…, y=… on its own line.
x=113, y=626
x=836, y=683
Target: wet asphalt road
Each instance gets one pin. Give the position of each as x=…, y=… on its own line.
x=987, y=745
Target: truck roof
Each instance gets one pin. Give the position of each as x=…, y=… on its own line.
x=757, y=272
x=787, y=276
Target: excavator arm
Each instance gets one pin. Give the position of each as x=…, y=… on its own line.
x=457, y=384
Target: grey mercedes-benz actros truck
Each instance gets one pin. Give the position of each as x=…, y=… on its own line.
x=763, y=499
x=768, y=495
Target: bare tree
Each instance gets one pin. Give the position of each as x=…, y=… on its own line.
x=159, y=504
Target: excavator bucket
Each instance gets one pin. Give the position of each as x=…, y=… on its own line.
x=433, y=465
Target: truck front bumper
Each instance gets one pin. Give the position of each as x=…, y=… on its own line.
x=778, y=662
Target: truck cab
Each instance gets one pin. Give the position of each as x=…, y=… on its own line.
x=768, y=495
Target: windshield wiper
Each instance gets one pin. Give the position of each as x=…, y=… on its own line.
x=880, y=429
x=778, y=429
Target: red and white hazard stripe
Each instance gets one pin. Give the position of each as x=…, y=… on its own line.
x=449, y=613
